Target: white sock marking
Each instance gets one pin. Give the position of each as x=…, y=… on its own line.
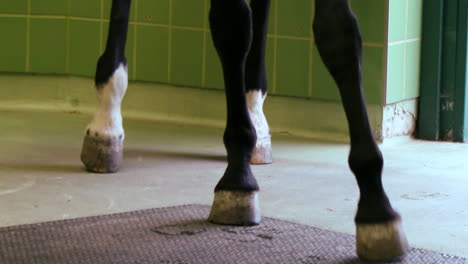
x=107, y=119
x=255, y=101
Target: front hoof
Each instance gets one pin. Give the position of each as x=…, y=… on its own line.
x=262, y=154
x=103, y=155
x=235, y=208
x=381, y=242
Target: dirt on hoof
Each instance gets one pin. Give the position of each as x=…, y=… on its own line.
x=103, y=155
x=235, y=208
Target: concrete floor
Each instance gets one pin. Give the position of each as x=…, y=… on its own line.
x=42, y=179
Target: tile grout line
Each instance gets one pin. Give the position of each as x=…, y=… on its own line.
x=205, y=16
x=101, y=29
x=383, y=97
x=405, y=51
x=311, y=54
x=275, y=48
x=181, y=27
x=169, y=47
x=67, y=39
x=28, y=38
x=289, y=37
x=13, y=15
x=135, y=42
x=405, y=41
x=89, y=19
x=373, y=44
x=51, y=16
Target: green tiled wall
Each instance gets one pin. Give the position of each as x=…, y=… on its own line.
x=169, y=42
x=404, y=47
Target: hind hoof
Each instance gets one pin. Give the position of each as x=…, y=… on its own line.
x=262, y=155
x=381, y=242
x=103, y=155
x=235, y=208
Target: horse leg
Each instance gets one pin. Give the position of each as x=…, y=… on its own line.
x=256, y=83
x=378, y=227
x=103, y=141
x=236, y=194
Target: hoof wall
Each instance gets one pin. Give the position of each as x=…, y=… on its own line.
x=103, y=155
x=262, y=155
x=235, y=208
x=381, y=242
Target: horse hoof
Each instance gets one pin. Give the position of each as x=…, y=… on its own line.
x=381, y=242
x=103, y=155
x=262, y=154
x=235, y=208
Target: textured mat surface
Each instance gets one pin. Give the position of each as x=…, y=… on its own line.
x=176, y=235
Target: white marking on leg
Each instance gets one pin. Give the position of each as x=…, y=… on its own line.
x=107, y=121
x=255, y=101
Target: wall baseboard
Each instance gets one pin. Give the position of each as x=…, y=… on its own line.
x=160, y=102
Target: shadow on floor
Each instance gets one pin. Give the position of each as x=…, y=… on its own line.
x=129, y=154
x=134, y=153
x=36, y=167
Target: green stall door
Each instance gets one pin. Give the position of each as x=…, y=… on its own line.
x=443, y=111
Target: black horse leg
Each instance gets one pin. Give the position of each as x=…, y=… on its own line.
x=378, y=227
x=103, y=142
x=256, y=83
x=236, y=195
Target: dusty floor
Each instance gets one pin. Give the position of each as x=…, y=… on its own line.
x=41, y=177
